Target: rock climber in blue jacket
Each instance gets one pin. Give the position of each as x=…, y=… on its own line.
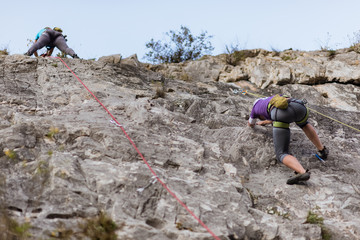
x=50, y=38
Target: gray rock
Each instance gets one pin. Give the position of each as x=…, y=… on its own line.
x=70, y=161
x=114, y=59
x=268, y=68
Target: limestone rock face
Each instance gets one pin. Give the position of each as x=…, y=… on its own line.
x=265, y=68
x=63, y=160
x=115, y=59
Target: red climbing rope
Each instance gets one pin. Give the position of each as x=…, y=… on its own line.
x=142, y=157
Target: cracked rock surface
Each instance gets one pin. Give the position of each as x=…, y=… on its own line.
x=63, y=159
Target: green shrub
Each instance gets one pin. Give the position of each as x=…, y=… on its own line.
x=4, y=52
x=11, y=229
x=239, y=56
x=10, y=153
x=332, y=53
x=286, y=58
x=101, y=227
x=52, y=132
x=61, y=55
x=182, y=46
x=313, y=218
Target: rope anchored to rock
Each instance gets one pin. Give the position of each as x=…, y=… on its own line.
x=156, y=178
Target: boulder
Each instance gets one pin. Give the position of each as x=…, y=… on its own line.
x=113, y=59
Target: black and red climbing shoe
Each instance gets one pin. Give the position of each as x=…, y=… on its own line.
x=299, y=178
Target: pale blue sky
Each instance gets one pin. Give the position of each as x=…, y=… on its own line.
x=99, y=28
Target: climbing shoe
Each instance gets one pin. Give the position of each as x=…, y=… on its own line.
x=75, y=56
x=299, y=178
x=322, y=154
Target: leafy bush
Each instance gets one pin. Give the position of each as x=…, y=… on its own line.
x=181, y=47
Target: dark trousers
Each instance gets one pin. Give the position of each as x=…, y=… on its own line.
x=54, y=39
x=295, y=112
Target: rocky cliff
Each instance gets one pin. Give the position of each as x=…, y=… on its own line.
x=63, y=161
